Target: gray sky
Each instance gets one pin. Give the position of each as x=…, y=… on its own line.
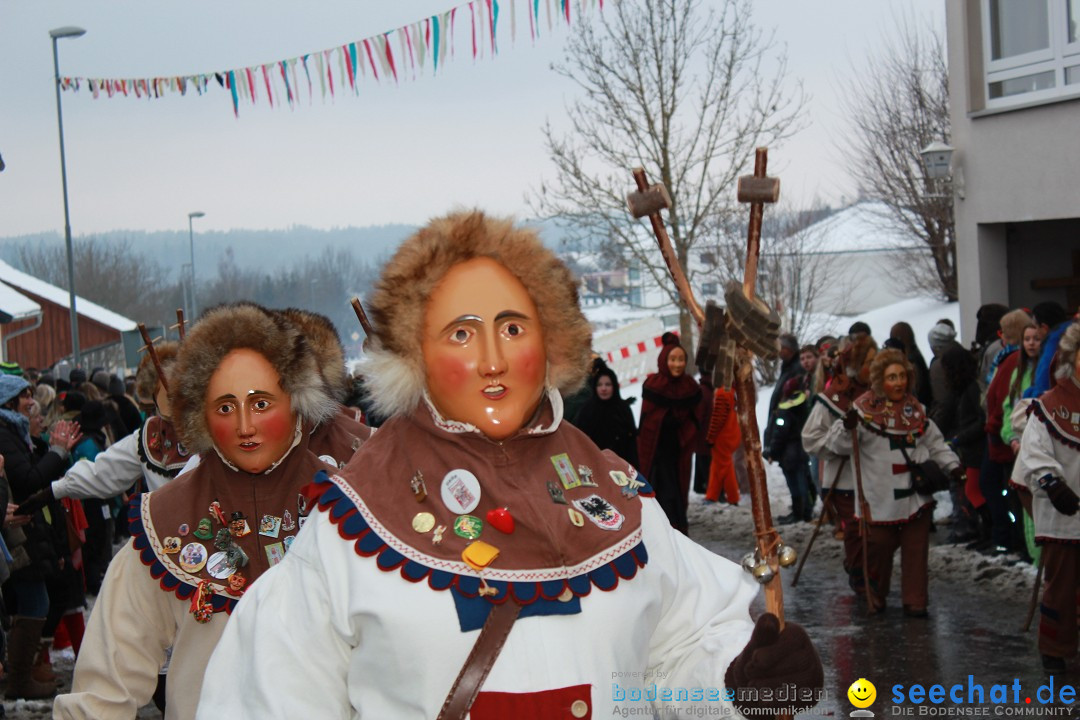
x=467, y=137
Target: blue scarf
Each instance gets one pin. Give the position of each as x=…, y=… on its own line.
x=21, y=423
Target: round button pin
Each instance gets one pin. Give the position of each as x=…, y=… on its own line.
x=422, y=522
x=218, y=566
x=193, y=557
x=460, y=491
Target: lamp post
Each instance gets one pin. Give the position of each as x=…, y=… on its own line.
x=191, y=253
x=56, y=34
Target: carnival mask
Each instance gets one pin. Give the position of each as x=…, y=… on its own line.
x=483, y=346
x=895, y=382
x=250, y=417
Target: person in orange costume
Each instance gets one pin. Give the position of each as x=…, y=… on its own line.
x=724, y=438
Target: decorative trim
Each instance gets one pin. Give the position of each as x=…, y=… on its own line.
x=171, y=578
x=1057, y=433
x=355, y=522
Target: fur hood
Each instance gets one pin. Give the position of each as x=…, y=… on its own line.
x=394, y=368
x=226, y=328
x=323, y=339
x=146, y=377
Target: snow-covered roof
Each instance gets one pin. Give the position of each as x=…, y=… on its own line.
x=93, y=311
x=861, y=227
x=16, y=306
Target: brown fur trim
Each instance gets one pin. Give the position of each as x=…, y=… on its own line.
x=146, y=377
x=395, y=371
x=882, y=360
x=323, y=339
x=1065, y=361
x=223, y=329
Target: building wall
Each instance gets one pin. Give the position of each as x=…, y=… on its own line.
x=1018, y=166
x=52, y=341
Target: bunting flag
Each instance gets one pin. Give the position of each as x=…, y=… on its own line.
x=403, y=52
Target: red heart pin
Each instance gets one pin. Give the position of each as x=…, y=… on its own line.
x=501, y=520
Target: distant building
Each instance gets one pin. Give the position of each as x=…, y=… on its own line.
x=42, y=338
x=1014, y=87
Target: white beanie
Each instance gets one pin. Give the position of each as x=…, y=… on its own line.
x=941, y=335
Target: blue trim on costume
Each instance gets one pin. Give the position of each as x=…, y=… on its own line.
x=535, y=597
x=167, y=581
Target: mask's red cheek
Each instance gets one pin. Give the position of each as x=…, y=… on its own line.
x=530, y=363
x=275, y=426
x=222, y=428
x=449, y=371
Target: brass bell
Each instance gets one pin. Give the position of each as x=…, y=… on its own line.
x=786, y=555
x=749, y=562
x=763, y=573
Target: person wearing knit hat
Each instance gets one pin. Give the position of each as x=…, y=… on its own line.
x=27, y=471
x=475, y=505
x=11, y=368
x=244, y=390
x=940, y=336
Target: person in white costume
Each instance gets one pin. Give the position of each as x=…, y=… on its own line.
x=1049, y=464
x=476, y=508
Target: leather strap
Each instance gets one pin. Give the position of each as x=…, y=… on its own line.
x=477, y=666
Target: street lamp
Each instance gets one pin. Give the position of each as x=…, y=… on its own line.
x=66, y=32
x=191, y=252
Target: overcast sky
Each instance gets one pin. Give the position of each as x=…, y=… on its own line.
x=396, y=153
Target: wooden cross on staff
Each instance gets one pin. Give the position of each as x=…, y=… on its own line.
x=179, y=326
x=757, y=189
x=148, y=346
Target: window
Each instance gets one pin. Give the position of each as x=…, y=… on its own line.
x=1032, y=51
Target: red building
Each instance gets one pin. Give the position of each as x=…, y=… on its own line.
x=41, y=340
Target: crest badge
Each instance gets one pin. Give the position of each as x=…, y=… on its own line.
x=602, y=513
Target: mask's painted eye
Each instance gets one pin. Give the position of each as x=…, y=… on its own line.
x=226, y=409
x=460, y=335
x=261, y=404
x=513, y=329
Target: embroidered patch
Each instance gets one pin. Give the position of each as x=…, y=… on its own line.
x=602, y=513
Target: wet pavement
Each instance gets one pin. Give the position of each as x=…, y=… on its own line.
x=977, y=608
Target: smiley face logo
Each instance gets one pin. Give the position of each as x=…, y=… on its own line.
x=862, y=693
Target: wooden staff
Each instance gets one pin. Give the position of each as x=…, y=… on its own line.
x=148, y=345
x=817, y=527
x=864, y=512
x=180, y=327
x=362, y=317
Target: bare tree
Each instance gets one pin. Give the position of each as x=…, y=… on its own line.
x=685, y=92
x=110, y=273
x=898, y=103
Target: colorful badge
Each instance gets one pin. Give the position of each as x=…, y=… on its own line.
x=422, y=522
x=216, y=512
x=576, y=518
x=500, y=519
x=468, y=527
x=287, y=521
x=585, y=473
x=275, y=553
x=301, y=504
x=204, y=529
x=184, y=530
x=193, y=557
x=218, y=566
x=238, y=525
x=288, y=541
x=460, y=491
x=602, y=513
x=555, y=492
x=436, y=537
x=565, y=468
x=619, y=478
x=270, y=526
x=236, y=584
x=301, y=521
x=478, y=555
x=419, y=489
x=171, y=545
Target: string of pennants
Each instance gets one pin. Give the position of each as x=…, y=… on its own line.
x=393, y=55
